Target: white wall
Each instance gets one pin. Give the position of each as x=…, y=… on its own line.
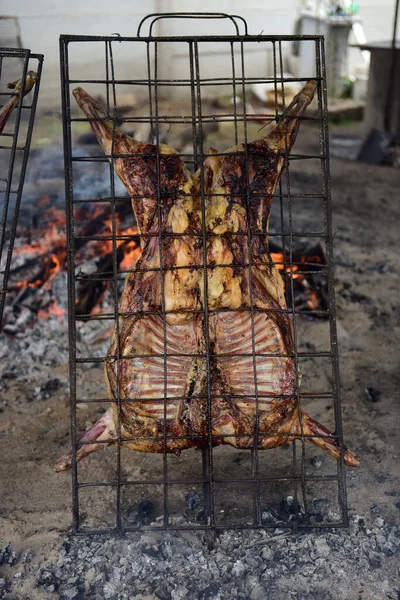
x=42, y=21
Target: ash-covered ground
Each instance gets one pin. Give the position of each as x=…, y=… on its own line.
x=39, y=557
x=355, y=563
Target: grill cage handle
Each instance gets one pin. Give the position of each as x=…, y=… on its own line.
x=192, y=15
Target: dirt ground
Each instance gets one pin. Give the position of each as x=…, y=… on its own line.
x=35, y=503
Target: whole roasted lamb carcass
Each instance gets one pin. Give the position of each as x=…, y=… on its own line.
x=226, y=333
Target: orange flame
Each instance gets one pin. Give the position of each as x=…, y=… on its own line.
x=50, y=243
x=131, y=254
x=278, y=259
x=47, y=245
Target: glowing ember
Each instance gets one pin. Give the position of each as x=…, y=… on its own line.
x=278, y=258
x=53, y=309
x=45, y=254
x=42, y=253
x=302, y=278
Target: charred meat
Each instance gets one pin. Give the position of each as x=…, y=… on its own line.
x=18, y=87
x=225, y=266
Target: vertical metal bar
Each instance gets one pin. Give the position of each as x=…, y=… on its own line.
x=250, y=230
x=325, y=173
x=70, y=226
x=119, y=523
x=164, y=315
x=193, y=106
x=206, y=483
x=295, y=521
x=196, y=147
x=234, y=92
x=282, y=216
x=148, y=55
x=206, y=325
x=107, y=58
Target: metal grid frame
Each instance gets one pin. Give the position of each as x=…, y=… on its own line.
x=197, y=119
x=13, y=191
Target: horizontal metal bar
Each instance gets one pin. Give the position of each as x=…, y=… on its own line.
x=120, y=275
x=212, y=235
x=111, y=357
x=173, y=83
x=321, y=268
x=67, y=38
x=186, y=82
x=187, y=120
x=15, y=53
x=314, y=395
x=108, y=317
x=287, y=525
x=159, y=312
x=217, y=355
x=9, y=95
x=312, y=478
x=19, y=148
x=190, y=437
x=108, y=199
x=322, y=395
x=108, y=275
x=107, y=157
x=192, y=526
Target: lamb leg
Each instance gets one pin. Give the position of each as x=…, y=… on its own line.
x=282, y=424
x=283, y=135
x=148, y=173
x=328, y=444
x=90, y=441
x=144, y=169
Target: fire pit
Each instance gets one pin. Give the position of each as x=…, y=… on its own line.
x=216, y=487
x=16, y=123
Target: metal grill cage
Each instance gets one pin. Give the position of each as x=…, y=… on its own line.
x=15, y=141
x=221, y=487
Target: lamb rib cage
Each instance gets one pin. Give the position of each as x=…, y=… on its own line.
x=15, y=64
x=240, y=116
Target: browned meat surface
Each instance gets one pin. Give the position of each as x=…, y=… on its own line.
x=253, y=400
x=6, y=110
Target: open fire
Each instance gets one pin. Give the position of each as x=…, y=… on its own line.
x=40, y=258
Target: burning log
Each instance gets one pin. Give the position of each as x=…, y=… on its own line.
x=37, y=262
x=92, y=289
x=43, y=256
x=310, y=288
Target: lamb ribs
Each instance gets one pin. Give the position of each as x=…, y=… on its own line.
x=251, y=373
